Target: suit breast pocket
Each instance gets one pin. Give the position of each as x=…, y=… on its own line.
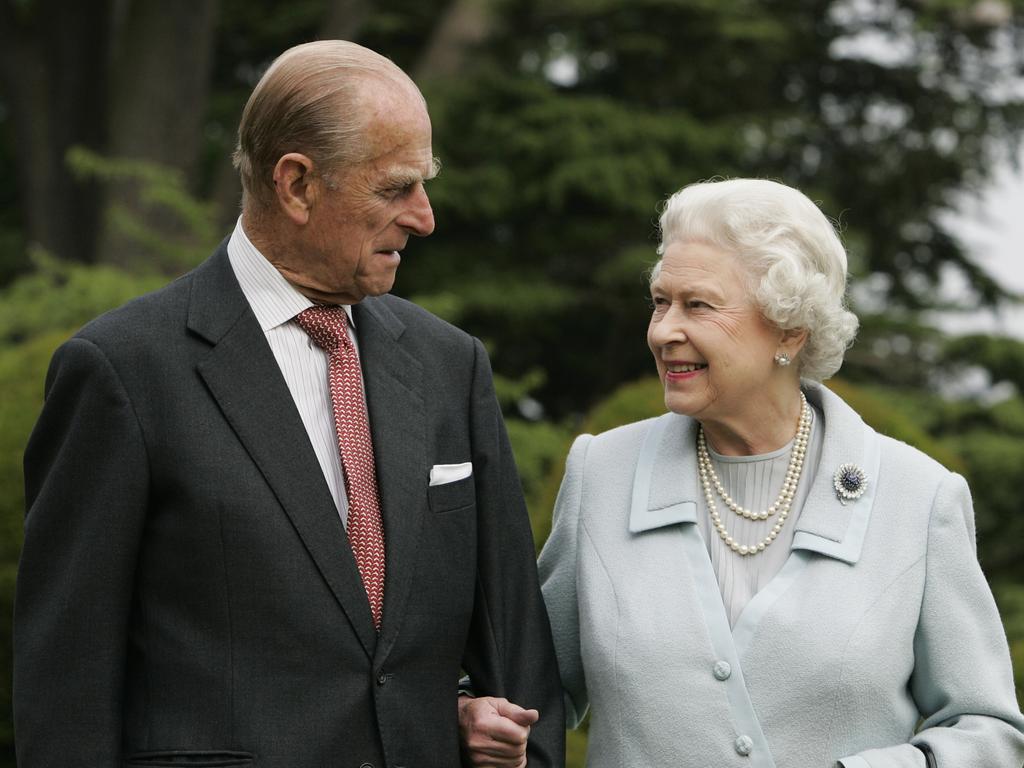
x=451, y=497
x=190, y=759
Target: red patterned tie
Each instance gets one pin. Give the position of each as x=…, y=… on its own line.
x=328, y=327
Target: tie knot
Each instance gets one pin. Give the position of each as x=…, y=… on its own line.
x=327, y=325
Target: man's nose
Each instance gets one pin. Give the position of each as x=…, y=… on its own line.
x=418, y=218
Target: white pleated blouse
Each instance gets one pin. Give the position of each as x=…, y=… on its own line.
x=754, y=482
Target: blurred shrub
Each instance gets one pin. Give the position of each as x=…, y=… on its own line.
x=152, y=220
x=993, y=466
x=60, y=294
x=540, y=449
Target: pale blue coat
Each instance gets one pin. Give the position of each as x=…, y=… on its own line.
x=880, y=617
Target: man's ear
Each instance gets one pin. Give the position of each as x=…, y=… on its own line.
x=294, y=183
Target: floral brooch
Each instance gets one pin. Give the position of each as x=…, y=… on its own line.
x=850, y=482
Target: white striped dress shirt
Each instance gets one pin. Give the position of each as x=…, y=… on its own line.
x=275, y=302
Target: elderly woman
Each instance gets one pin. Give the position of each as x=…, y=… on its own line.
x=758, y=578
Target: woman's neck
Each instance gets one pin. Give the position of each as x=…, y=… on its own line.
x=762, y=430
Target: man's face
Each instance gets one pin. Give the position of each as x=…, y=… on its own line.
x=363, y=215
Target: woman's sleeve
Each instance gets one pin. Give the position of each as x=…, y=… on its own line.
x=557, y=567
x=962, y=680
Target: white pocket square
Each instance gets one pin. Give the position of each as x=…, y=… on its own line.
x=440, y=474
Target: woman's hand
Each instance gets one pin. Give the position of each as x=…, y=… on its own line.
x=493, y=732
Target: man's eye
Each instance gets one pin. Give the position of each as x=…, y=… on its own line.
x=697, y=304
x=398, y=191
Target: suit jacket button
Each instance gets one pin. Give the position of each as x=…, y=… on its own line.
x=744, y=745
x=366, y=765
x=382, y=679
x=721, y=670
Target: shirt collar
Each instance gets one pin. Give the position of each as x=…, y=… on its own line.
x=273, y=299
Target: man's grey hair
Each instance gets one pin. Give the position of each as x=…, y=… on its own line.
x=312, y=100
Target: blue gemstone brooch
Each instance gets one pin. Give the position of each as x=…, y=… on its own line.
x=850, y=482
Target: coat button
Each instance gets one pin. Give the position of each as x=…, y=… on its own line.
x=744, y=745
x=382, y=679
x=366, y=765
x=721, y=670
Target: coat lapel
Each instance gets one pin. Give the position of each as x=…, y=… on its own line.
x=665, y=488
x=243, y=377
x=827, y=525
x=665, y=482
x=396, y=404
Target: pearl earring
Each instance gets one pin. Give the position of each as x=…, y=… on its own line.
x=782, y=359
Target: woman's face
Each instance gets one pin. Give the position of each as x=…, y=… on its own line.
x=714, y=351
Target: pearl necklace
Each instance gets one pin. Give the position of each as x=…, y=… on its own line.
x=709, y=479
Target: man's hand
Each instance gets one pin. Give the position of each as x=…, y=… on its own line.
x=493, y=731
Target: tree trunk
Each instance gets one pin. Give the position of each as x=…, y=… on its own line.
x=160, y=78
x=53, y=65
x=465, y=24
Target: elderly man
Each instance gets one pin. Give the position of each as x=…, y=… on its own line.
x=273, y=512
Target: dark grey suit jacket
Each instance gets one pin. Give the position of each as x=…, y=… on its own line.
x=187, y=594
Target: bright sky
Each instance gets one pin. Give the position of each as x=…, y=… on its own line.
x=992, y=228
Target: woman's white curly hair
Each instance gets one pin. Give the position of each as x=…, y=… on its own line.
x=791, y=251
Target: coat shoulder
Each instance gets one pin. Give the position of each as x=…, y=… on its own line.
x=902, y=460
x=415, y=315
x=616, y=450
x=136, y=321
x=424, y=325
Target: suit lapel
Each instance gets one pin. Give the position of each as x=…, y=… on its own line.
x=243, y=377
x=396, y=404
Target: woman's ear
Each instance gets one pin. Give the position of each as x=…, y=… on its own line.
x=294, y=186
x=793, y=341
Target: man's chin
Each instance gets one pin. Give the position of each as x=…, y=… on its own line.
x=377, y=286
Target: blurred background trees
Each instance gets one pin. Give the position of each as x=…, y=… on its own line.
x=561, y=125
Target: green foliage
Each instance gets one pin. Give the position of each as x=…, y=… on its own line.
x=511, y=391
x=877, y=406
x=163, y=193
x=59, y=295
x=514, y=298
x=540, y=449
x=993, y=468
x=575, y=749
x=636, y=401
x=1002, y=357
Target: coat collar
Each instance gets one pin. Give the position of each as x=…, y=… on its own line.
x=666, y=489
